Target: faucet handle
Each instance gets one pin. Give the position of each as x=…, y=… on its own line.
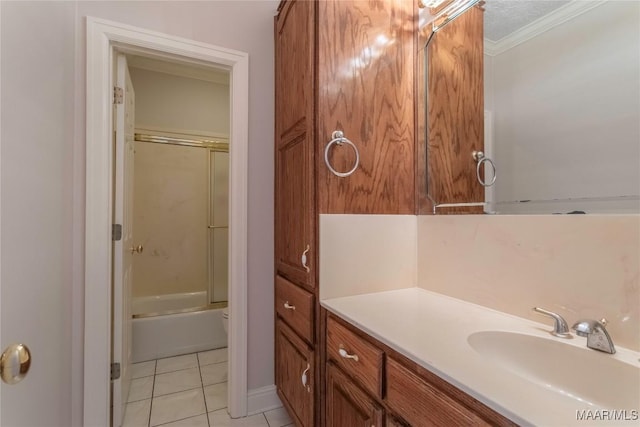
x=560, y=327
x=597, y=336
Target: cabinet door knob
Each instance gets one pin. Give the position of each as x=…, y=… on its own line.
x=136, y=249
x=304, y=259
x=343, y=353
x=289, y=306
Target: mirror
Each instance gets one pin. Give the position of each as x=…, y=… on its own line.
x=561, y=83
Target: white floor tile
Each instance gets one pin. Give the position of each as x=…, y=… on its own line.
x=214, y=374
x=213, y=356
x=176, y=363
x=136, y=414
x=172, y=382
x=216, y=396
x=141, y=389
x=143, y=369
x=278, y=417
x=177, y=406
x=221, y=418
x=199, y=421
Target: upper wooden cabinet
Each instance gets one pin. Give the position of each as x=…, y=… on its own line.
x=295, y=197
x=347, y=66
x=452, y=103
x=294, y=69
x=365, y=69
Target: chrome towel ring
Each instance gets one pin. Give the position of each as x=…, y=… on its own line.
x=479, y=157
x=339, y=139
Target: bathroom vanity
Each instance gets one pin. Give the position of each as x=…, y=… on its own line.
x=368, y=381
x=419, y=358
x=352, y=134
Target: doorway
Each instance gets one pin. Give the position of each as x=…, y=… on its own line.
x=106, y=39
x=180, y=208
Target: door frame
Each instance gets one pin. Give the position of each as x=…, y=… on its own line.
x=103, y=39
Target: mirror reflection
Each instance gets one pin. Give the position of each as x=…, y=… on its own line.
x=561, y=107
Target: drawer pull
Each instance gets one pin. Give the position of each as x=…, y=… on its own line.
x=304, y=259
x=304, y=378
x=345, y=355
x=289, y=306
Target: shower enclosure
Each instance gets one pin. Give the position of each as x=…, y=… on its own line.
x=180, y=281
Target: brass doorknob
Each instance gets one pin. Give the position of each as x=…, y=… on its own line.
x=15, y=363
x=137, y=249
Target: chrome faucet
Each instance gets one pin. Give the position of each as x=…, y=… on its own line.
x=597, y=336
x=560, y=327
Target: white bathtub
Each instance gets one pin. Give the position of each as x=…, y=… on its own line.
x=163, y=303
x=174, y=334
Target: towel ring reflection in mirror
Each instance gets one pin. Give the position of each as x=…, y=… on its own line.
x=339, y=139
x=480, y=158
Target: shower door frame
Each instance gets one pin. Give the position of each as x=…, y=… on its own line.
x=104, y=38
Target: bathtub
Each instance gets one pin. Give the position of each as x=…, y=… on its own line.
x=165, y=335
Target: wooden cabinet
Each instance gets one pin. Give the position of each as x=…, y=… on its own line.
x=295, y=306
x=394, y=422
x=410, y=395
x=339, y=65
x=454, y=115
x=295, y=375
x=366, y=54
x=421, y=403
x=347, y=404
x=360, y=358
x=295, y=212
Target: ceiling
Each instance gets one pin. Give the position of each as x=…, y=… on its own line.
x=504, y=17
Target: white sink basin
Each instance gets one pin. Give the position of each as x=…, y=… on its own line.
x=580, y=373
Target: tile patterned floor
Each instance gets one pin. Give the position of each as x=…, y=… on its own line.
x=188, y=391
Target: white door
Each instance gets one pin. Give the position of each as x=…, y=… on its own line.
x=37, y=232
x=124, y=249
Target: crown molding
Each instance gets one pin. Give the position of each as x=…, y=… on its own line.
x=541, y=25
x=207, y=74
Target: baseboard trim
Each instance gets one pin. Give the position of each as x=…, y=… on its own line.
x=262, y=399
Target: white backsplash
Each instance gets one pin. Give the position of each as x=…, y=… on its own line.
x=581, y=266
x=367, y=253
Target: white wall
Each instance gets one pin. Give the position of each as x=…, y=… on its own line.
x=43, y=156
x=180, y=104
x=566, y=109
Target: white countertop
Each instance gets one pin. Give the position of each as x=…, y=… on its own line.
x=432, y=330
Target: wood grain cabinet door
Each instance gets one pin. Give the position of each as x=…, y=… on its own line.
x=366, y=89
x=295, y=375
x=294, y=173
x=347, y=404
x=455, y=111
x=422, y=404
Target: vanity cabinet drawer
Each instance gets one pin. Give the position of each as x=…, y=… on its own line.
x=421, y=403
x=357, y=357
x=295, y=306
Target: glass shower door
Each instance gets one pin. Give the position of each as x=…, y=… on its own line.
x=218, y=226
